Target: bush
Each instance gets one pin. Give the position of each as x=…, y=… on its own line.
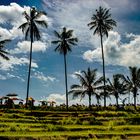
x=112, y=114
x=12, y=129
x=134, y=121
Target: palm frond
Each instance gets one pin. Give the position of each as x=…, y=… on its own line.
x=36, y=33
x=82, y=79
x=24, y=26
x=75, y=86
x=101, y=22
x=99, y=81
x=41, y=23
x=4, y=41
x=57, y=34
x=56, y=41
x=27, y=33
x=2, y=54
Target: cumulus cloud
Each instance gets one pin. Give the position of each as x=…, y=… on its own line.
x=116, y=52
x=7, y=15
x=24, y=47
x=16, y=19
x=15, y=61
x=61, y=99
x=73, y=14
x=42, y=77
x=12, y=32
x=5, y=34
x=58, y=98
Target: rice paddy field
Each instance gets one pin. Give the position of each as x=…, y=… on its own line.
x=20, y=124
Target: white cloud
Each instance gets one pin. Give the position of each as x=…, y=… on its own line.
x=61, y=99
x=117, y=53
x=24, y=47
x=6, y=14
x=16, y=19
x=12, y=32
x=73, y=14
x=10, y=76
x=14, y=61
x=5, y=34
x=73, y=75
x=90, y=55
x=42, y=77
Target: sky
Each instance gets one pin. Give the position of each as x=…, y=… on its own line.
x=122, y=47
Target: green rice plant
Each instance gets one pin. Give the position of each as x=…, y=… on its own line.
x=116, y=138
x=26, y=130
x=78, y=121
x=120, y=122
x=93, y=121
x=12, y=129
x=85, y=122
x=111, y=126
x=133, y=120
x=130, y=109
x=67, y=120
x=50, y=127
x=60, y=128
x=113, y=113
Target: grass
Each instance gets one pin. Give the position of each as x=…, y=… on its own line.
x=73, y=125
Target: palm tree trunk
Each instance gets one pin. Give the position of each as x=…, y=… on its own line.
x=103, y=67
x=135, y=97
x=135, y=101
x=117, y=103
x=89, y=101
x=29, y=73
x=29, y=70
x=66, y=82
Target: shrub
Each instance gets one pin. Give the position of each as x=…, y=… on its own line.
x=134, y=121
x=12, y=129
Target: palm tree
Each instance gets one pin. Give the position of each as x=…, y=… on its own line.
x=116, y=87
x=64, y=43
x=102, y=23
x=31, y=30
x=133, y=82
x=88, y=85
x=4, y=53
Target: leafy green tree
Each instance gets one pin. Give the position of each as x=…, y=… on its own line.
x=31, y=31
x=89, y=84
x=101, y=22
x=64, y=43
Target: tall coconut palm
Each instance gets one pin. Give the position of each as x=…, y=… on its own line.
x=116, y=87
x=32, y=32
x=88, y=85
x=133, y=82
x=64, y=43
x=4, y=53
x=101, y=22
